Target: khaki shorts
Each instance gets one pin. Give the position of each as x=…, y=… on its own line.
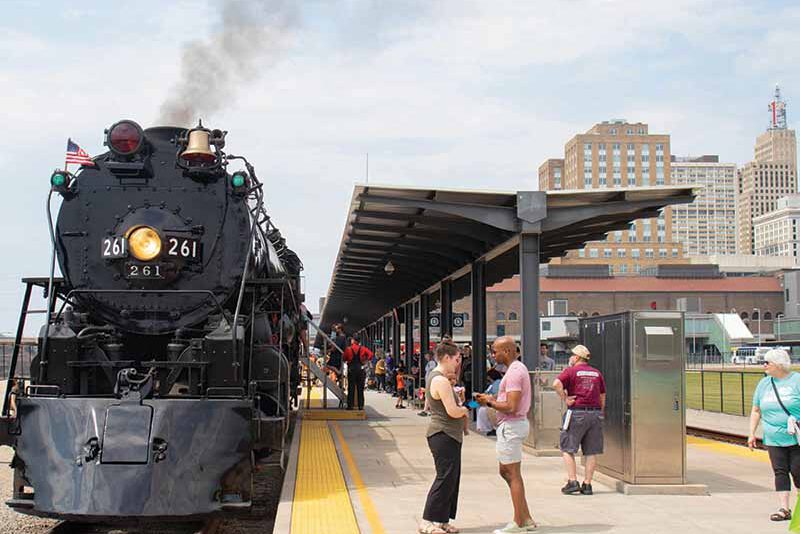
x=510, y=436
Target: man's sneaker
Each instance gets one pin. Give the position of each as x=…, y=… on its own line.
x=586, y=489
x=571, y=487
x=511, y=528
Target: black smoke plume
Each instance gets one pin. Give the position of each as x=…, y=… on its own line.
x=250, y=38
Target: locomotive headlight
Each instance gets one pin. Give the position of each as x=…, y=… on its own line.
x=144, y=243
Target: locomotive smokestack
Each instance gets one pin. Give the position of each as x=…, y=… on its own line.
x=250, y=36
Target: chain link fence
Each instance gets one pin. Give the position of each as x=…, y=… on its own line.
x=723, y=391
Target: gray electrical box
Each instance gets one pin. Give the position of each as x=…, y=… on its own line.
x=641, y=356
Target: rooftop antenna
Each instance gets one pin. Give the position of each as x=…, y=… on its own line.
x=777, y=111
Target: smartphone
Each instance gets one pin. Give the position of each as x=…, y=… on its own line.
x=472, y=404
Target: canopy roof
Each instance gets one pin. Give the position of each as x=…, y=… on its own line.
x=433, y=234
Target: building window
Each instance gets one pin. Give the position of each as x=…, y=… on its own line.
x=635, y=253
x=613, y=131
x=512, y=316
x=755, y=315
x=623, y=268
x=620, y=252
x=630, y=131
x=581, y=253
x=662, y=253
x=466, y=316
x=674, y=252
x=606, y=252
x=594, y=253
x=501, y=330
x=587, y=146
x=648, y=253
x=630, y=146
x=501, y=316
x=557, y=307
x=744, y=315
x=767, y=316
x=659, y=147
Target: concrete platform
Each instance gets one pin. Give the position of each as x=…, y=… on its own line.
x=735, y=425
x=388, y=470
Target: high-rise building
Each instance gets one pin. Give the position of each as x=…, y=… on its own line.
x=769, y=177
x=551, y=175
x=616, y=154
x=775, y=233
x=707, y=225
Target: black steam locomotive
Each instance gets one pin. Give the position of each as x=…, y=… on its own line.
x=165, y=370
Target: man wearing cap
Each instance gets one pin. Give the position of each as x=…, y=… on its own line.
x=582, y=387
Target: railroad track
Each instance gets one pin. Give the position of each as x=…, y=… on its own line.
x=736, y=439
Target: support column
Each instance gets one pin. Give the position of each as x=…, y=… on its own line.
x=446, y=305
x=396, y=335
x=529, y=298
x=387, y=331
x=478, y=291
x=409, y=323
x=424, y=332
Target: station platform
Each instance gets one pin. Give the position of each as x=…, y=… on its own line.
x=372, y=477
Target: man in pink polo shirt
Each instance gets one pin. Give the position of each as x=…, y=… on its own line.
x=512, y=404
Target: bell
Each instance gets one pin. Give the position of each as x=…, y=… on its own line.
x=198, y=149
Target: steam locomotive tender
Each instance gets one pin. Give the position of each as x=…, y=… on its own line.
x=163, y=374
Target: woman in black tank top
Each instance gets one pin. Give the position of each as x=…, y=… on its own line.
x=445, y=434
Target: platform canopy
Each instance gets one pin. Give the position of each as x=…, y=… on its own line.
x=400, y=242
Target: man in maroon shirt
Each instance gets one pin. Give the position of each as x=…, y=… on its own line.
x=356, y=355
x=582, y=387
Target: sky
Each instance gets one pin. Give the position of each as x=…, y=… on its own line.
x=439, y=93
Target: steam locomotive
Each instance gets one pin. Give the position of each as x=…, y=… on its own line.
x=165, y=369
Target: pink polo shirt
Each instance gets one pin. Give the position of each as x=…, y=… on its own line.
x=515, y=379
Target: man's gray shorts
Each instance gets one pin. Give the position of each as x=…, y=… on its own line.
x=585, y=431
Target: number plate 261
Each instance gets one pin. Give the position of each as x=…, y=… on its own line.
x=182, y=247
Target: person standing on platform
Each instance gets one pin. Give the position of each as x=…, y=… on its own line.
x=356, y=357
x=430, y=365
x=546, y=363
x=380, y=373
x=776, y=403
x=445, y=435
x=512, y=405
x=583, y=389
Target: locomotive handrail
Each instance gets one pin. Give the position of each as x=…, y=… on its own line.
x=148, y=291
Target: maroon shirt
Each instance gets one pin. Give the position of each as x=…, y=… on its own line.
x=585, y=383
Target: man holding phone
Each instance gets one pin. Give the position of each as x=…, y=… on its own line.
x=512, y=404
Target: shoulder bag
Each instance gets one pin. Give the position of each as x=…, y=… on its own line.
x=792, y=419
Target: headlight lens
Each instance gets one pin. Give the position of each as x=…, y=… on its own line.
x=144, y=243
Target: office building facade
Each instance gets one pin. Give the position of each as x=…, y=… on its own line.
x=708, y=225
x=613, y=155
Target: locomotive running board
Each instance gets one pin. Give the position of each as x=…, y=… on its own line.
x=333, y=387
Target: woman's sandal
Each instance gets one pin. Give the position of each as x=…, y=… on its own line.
x=781, y=515
x=431, y=528
x=450, y=529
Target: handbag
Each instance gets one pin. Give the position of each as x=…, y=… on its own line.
x=791, y=417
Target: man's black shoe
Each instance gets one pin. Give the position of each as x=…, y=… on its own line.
x=571, y=487
x=586, y=489
x=491, y=433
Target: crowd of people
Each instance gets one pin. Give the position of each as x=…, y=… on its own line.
x=443, y=377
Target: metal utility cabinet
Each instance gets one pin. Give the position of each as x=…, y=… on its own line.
x=641, y=356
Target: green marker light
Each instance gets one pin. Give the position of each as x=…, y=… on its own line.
x=238, y=180
x=58, y=179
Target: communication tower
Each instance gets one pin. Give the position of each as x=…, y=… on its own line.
x=777, y=111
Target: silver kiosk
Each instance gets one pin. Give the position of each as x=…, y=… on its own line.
x=641, y=356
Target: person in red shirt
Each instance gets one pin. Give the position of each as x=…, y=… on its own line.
x=356, y=356
x=583, y=388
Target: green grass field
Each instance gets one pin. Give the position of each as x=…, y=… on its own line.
x=721, y=390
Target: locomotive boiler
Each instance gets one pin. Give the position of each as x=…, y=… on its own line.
x=165, y=368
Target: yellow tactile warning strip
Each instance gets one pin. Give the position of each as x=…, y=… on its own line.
x=370, y=511
x=321, y=500
x=728, y=448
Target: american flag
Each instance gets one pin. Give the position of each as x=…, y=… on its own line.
x=76, y=154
